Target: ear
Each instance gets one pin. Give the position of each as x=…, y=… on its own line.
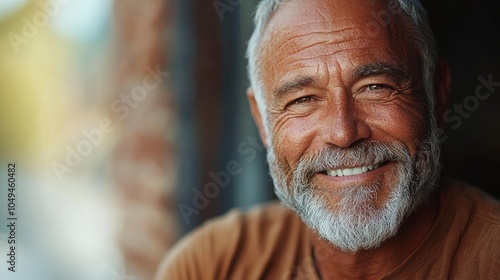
x=442, y=87
x=257, y=116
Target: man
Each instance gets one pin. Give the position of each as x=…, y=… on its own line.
x=348, y=109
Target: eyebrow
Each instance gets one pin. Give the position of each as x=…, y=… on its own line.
x=296, y=84
x=396, y=73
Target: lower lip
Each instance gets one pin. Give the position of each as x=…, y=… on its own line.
x=367, y=177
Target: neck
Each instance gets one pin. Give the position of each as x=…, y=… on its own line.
x=333, y=263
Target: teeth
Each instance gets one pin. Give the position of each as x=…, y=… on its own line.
x=352, y=171
x=348, y=171
x=357, y=170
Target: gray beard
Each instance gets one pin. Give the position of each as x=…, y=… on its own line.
x=355, y=222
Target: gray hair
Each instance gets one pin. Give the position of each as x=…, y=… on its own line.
x=422, y=35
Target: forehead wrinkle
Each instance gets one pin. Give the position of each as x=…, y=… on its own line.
x=280, y=32
x=293, y=32
x=323, y=56
x=335, y=49
x=296, y=42
x=334, y=75
x=309, y=27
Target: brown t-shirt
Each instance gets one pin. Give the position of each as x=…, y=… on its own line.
x=271, y=242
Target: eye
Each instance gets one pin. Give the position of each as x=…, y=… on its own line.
x=300, y=101
x=374, y=92
x=377, y=87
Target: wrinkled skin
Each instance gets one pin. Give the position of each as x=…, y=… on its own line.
x=329, y=82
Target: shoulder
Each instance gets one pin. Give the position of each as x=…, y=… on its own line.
x=480, y=205
x=477, y=217
x=257, y=227
x=210, y=251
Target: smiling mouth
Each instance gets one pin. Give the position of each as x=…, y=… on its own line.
x=352, y=171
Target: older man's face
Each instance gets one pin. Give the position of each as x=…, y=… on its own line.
x=330, y=84
x=332, y=81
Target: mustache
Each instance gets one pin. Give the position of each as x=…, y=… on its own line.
x=363, y=153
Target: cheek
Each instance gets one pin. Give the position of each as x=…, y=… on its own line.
x=397, y=123
x=293, y=137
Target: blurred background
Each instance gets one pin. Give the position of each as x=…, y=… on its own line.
x=129, y=126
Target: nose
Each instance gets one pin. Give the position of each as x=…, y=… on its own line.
x=342, y=124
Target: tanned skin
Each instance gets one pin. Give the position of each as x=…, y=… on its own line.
x=330, y=81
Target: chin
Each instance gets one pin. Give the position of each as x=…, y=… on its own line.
x=358, y=213
x=355, y=220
